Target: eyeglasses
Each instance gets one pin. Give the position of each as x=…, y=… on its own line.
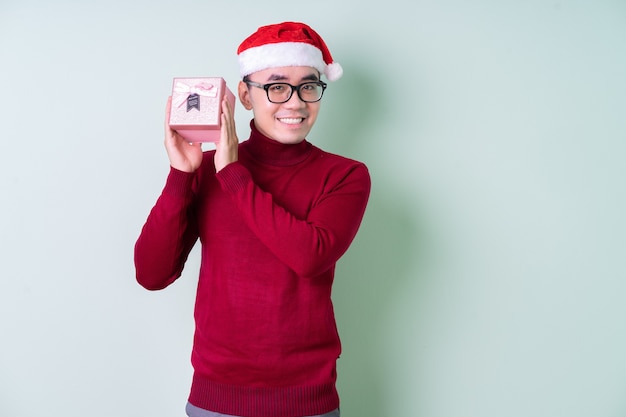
x=277, y=93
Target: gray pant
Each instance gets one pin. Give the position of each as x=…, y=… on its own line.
x=193, y=411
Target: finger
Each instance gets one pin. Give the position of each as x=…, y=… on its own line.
x=168, y=111
x=230, y=120
x=226, y=108
x=225, y=131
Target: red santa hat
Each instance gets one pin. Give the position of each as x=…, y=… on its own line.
x=286, y=44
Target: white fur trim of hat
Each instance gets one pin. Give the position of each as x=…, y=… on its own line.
x=283, y=45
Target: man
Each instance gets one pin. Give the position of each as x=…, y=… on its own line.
x=273, y=214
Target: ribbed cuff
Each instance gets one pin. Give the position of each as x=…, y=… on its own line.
x=233, y=177
x=179, y=183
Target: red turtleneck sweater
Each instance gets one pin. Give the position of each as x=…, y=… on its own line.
x=272, y=226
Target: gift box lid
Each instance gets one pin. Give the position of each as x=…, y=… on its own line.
x=196, y=102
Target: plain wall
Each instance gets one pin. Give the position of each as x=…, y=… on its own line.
x=488, y=278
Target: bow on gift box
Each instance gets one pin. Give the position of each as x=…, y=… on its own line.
x=185, y=92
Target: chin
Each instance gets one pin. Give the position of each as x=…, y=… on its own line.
x=290, y=136
x=286, y=140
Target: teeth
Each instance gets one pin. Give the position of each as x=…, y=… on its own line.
x=291, y=121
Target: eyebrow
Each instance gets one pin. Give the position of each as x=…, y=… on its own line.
x=280, y=77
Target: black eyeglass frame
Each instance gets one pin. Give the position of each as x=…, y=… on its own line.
x=295, y=88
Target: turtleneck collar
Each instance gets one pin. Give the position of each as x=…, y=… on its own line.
x=269, y=151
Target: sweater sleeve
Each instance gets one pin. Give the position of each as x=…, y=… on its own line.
x=308, y=246
x=168, y=235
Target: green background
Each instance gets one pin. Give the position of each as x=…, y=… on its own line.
x=488, y=278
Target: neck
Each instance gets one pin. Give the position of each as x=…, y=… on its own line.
x=269, y=151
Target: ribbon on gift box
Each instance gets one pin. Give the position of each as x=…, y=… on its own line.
x=184, y=92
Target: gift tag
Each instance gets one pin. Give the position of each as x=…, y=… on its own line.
x=193, y=102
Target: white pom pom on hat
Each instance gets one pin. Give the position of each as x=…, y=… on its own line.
x=286, y=44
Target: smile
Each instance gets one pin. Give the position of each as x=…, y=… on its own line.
x=291, y=120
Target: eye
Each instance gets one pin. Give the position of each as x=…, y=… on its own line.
x=277, y=88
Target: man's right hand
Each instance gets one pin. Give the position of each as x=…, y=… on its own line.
x=184, y=155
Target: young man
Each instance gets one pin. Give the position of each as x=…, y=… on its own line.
x=273, y=214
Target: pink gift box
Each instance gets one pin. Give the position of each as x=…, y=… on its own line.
x=196, y=112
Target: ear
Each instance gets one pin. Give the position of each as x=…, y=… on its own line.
x=244, y=95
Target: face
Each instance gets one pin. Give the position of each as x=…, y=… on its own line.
x=288, y=122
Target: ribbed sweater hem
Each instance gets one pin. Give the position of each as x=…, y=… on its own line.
x=263, y=401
